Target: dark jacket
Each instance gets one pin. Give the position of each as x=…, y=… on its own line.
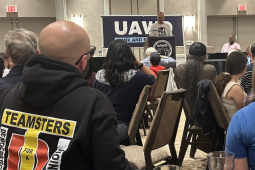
x=13, y=77
x=53, y=120
x=203, y=112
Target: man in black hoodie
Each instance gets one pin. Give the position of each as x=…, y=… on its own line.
x=52, y=120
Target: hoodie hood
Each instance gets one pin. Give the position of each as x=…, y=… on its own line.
x=45, y=81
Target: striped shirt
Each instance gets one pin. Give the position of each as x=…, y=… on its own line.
x=246, y=82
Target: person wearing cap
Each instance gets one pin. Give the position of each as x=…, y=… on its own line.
x=194, y=70
x=155, y=60
x=165, y=61
x=231, y=45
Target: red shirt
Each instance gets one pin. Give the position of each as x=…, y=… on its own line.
x=155, y=69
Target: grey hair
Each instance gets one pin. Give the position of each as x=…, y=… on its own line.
x=20, y=44
x=149, y=51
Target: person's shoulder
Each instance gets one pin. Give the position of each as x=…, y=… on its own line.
x=179, y=68
x=235, y=87
x=209, y=66
x=100, y=77
x=236, y=43
x=245, y=116
x=142, y=77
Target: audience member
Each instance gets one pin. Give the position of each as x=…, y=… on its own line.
x=91, y=75
x=20, y=45
x=246, y=80
x=250, y=97
x=155, y=60
x=232, y=94
x=52, y=120
x=6, y=63
x=122, y=82
x=241, y=136
x=193, y=71
x=1, y=66
x=167, y=62
x=231, y=45
x=249, y=57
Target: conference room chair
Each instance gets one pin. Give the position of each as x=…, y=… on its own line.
x=158, y=88
x=194, y=136
x=162, y=132
x=219, y=112
x=133, y=130
x=218, y=108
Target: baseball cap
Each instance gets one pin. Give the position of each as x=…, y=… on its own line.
x=197, y=49
x=155, y=58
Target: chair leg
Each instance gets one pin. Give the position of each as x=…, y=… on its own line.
x=214, y=139
x=138, y=138
x=174, y=159
x=149, y=111
x=184, y=142
x=183, y=147
x=144, y=130
x=148, y=162
x=193, y=147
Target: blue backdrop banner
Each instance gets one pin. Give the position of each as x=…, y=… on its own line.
x=135, y=29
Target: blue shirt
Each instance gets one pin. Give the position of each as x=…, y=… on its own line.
x=241, y=135
x=167, y=62
x=125, y=96
x=13, y=77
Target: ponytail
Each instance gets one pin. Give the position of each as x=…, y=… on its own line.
x=221, y=81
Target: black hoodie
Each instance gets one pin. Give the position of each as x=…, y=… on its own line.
x=51, y=120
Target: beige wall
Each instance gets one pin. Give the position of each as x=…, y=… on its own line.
x=29, y=8
x=184, y=7
x=91, y=11
x=148, y=7
x=120, y=7
x=229, y=7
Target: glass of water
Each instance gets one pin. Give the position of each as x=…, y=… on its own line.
x=220, y=160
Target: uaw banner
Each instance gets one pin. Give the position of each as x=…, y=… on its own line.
x=135, y=29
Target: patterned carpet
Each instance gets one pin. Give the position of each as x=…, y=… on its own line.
x=199, y=162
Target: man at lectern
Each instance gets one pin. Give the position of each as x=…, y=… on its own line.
x=161, y=28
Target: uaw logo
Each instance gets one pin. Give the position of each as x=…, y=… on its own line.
x=28, y=151
x=163, y=47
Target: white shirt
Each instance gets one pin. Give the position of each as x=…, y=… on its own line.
x=159, y=30
x=6, y=71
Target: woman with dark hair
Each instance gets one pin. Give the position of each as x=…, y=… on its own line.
x=232, y=94
x=194, y=70
x=1, y=66
x=122, y=80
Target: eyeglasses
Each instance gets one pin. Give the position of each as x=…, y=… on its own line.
x=91, y=52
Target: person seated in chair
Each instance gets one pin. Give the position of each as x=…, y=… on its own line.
x=241, y=134
x=193, y=71
x=122, y=79
x=155, y=60
x=1, y=66
x=231, y=93
x=165, y=61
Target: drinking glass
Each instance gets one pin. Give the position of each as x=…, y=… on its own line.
x=167, y=167
x=220, y=160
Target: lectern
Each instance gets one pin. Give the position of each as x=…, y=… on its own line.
x=164, y=45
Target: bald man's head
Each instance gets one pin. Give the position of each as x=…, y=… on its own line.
x=64, y=41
